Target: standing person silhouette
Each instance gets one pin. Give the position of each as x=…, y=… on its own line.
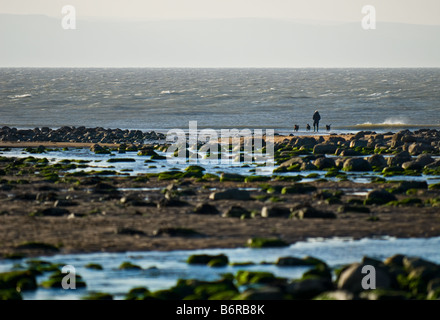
x=316, y=118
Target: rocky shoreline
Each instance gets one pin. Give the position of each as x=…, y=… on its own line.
x=46, y=208
x=78, y=135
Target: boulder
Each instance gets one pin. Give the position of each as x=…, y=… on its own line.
x=348, y=153
x=357, y=164
x=312, y=213
x=406, y=185
x=377, y=160
x=418, y=148
x=308, y=288
x=290, y=162
x=412, y=165
x=205, y=208
x=54, y=212
x=230, y=194
x=269, y=212
x=236, y=212
x=379, y=197
x=358, y=143
x=412, y=263
x=399, y=159
x=351, y=278
x=263, y=293
x=324, y=163
x=424, y=159
x=325, y=148
x=307, y=142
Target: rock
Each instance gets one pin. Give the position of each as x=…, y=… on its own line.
x=177, y=232
x=292, y=161
x=246, y=277
x=293, y=261
x=377, y=160
x=336, y=295
x=312, y=213
x=307, y=166
x=412, y=165
x=269, y=212
x=18, y=281
x=298, y=188
x=266, y=243
x=357, y=209
x=325, y=148
x=307, y=142
x=54, y=212
x=357, y=164
x=205, y=259
x=348, y=153
x=64, y=203
x=411, y=263
x=418, y=148
x=96, y=148
x=358, y=143
x=264, y=293
x=173, y=202
x=126, y=265
x=351, y=278
x=434, y=285
x=384, y=295
x=103, y=187
x=308, y=288
x=379, y=196
x=324, y=163
x=433, y=165
x=231, y=177
x=236, y=212
x=395, y=260
x=230, y=194
x=205, y=208
x=399, y=159
x=424, y=159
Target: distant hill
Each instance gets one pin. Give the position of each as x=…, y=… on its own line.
x=40, y=41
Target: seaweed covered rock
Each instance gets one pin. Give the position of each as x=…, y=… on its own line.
x=210, y=260
x=379, y=196
x=357, y=164
x=18, y=280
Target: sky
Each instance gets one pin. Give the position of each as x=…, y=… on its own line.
x=402, y=11
x=220, y=33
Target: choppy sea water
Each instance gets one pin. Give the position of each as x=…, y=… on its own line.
x=161, y=99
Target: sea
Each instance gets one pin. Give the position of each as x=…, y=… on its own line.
x=160, y=99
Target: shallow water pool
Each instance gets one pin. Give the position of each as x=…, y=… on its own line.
x=160, y=270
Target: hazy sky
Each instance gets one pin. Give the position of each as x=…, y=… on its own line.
x=406, y=11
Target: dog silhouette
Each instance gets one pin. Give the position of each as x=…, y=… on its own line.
x=296, y=128
x=308, y=127
x=328, y=127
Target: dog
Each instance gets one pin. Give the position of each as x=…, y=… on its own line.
x=296, y=127
x=328, y=127
x=308, y=127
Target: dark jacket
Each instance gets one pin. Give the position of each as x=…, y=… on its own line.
x=316, y=116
